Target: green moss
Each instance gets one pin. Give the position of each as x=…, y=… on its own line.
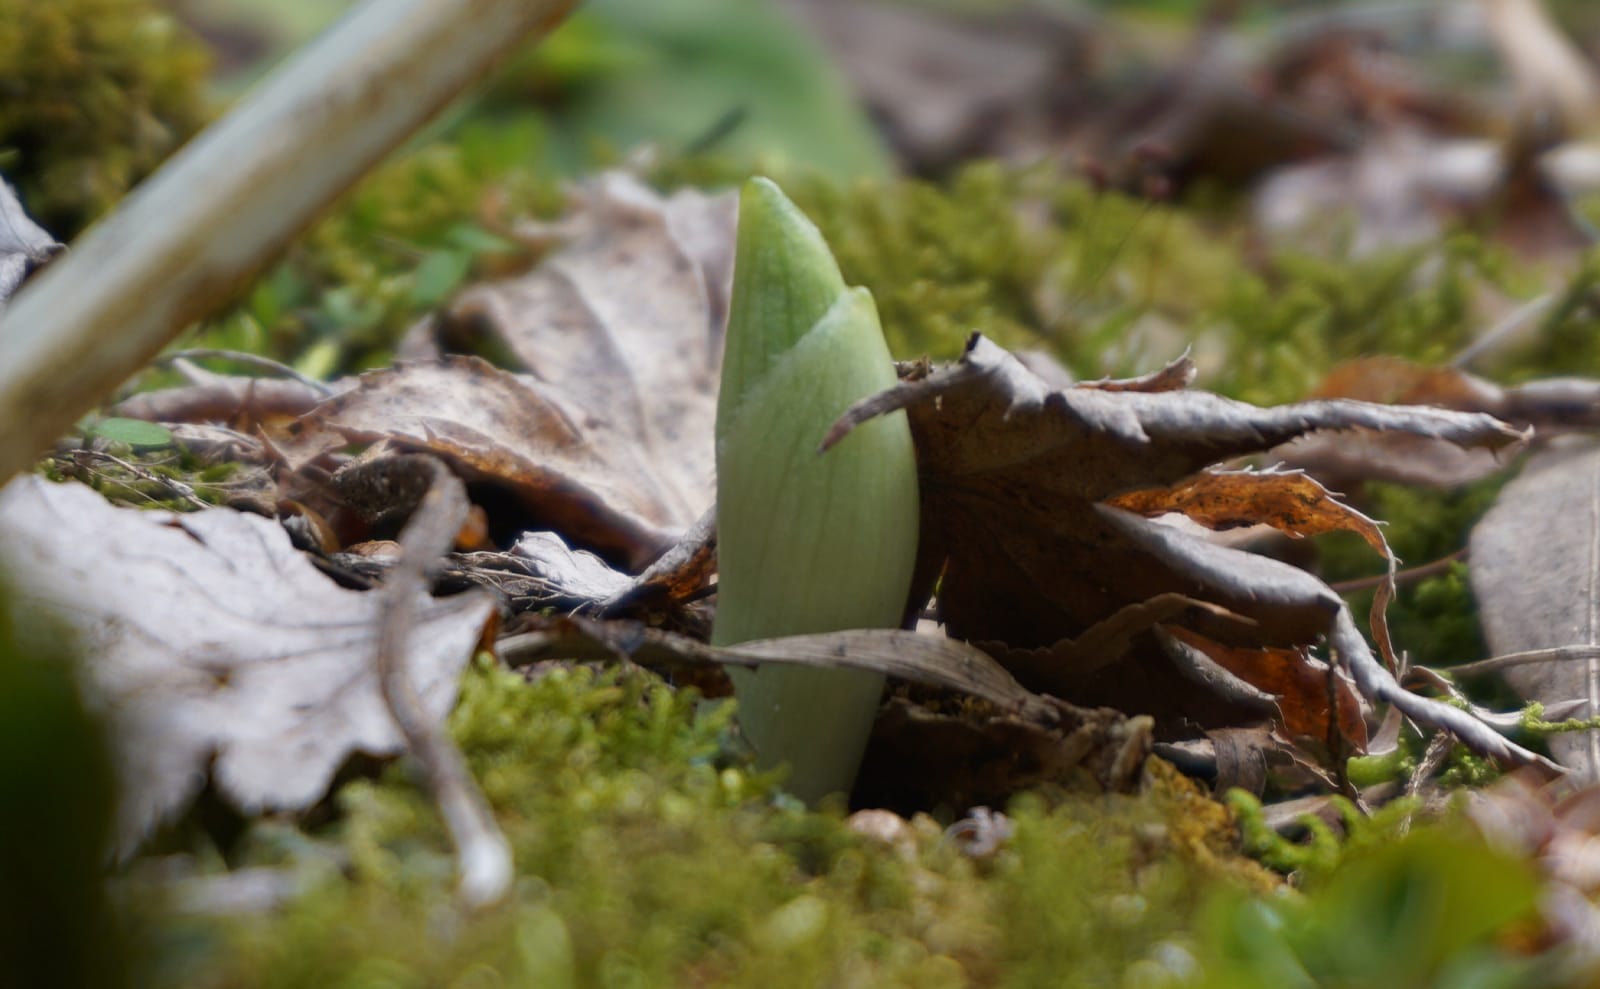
x=93, y=95
x=1115, y=285
x=155, y=476
x=1565, y=340
x=1319, y=854
x=651, y=856
x=648, y=855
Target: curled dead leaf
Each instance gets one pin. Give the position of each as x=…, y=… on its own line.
x=1021, y=528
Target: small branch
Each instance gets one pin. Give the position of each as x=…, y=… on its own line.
x=187, y=240
x=1405, y=576
x=1508, y=327
x=256, y=361
x=483, y=858
x=178, y=489
x=1505, y=661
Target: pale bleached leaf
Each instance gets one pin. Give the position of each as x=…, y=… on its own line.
x=24, y=245
x=216, y=648
x=1536, y=575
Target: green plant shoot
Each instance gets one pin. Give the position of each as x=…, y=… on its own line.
x=807, y=542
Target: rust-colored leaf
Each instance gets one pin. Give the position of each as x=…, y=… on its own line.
x=1290, y=501
x=1300, y=686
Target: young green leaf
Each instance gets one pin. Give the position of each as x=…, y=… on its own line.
x=807, y=542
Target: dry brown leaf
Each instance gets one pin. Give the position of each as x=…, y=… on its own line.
x=217, y=649
x=1549, y=406
x=1014, y=480
x=621, y=328
x=1290, y=501
x=919, y=758
x=931, y=660
x=495, y=427
x=239, y=401
x=608, y=435
x=1535, y=564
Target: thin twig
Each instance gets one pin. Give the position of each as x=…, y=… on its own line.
x=178, y=489
x=483, y=857
x=1508, y=326
x=256, y=361
x=1505, y=661
x=1405, y=576
x=1433, y=760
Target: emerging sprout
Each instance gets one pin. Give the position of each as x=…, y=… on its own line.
x=807, y=542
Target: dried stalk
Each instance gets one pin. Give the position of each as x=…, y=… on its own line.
x=483, y=858
x=183, y=243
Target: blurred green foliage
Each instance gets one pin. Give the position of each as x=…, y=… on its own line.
x=93, y=95
x=1433, y=909
x=622, y=72
x=56, y=805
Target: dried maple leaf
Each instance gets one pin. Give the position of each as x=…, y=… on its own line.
x=218, y=649
x=1016, y=479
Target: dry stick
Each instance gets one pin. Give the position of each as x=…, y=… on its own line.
x=483, y=858
x=255, y=361
x=183, y=243
x=1405, y=576
x=178, y=489
x=1507, y=328
x=1505, y=661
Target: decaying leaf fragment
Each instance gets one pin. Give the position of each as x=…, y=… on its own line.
x=1536, y=575
x=601, y=428
x=931, y=660
x=218, y=648
x=24, y=245
x=1019, y=483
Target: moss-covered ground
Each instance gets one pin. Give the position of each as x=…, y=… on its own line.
x=648, y=853
x=649, y=856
